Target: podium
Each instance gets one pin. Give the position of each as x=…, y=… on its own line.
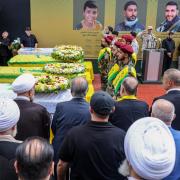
x=152, y=65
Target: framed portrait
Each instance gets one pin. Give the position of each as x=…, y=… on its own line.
x=130, y=15
x=88, y=15
x=168, y=17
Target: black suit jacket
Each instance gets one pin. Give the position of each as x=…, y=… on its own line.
x=34, y=120
x=174, y=97
x=67, y=115
x=7, y=158
x=127, y=111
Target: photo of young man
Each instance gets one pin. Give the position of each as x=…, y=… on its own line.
x=172, y=18
x=131, y=21
x=90, y=15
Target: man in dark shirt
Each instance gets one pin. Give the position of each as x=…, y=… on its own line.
x=5, y=53
x=95, y=150
x=131, y=22
x=169, y=45
x=29, y=39
x=128, y=108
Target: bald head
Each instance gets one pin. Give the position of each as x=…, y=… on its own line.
x=130, y=85
x=163, y=110
x=34, y=159
x=79, y=87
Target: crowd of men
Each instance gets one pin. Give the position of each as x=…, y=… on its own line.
x=104, y=139
x=114, y=137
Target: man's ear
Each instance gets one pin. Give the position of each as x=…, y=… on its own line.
x=177, y=12
x=174, y=117
x=121, y=92
x=51, y=168
x=91, y=110
x=171, y=83
x=16, y=167
x=124, y=13
x=113, y=109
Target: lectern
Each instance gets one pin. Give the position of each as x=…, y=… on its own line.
x=152, y=65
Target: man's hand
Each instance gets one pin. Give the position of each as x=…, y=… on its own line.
x=169, y=54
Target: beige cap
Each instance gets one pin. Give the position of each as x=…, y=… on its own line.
x=150, y=27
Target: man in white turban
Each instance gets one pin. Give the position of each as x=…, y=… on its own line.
x=150, y=149
x=34, y=118
x=9, y=116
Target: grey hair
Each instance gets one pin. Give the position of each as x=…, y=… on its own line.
x=79, y=87
x=173, y=75
x=130, y=84
x=163, y=110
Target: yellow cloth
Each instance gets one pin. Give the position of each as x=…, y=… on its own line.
x=114, y=69
x=89, y=67
x=134, y=58
x=9, y=74
x=127, y=97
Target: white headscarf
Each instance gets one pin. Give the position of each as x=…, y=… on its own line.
x=9, y=114
x=23, y=83
x=150, y=148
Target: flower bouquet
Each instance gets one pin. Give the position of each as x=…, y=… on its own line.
x=68, y=53
x=64, y=68
x=51, y=84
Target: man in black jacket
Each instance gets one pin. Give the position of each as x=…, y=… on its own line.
x=34, y=118
x=171, y=83
x=128, y=108
x=169, y=45
x=5, y=53
x=69, y=114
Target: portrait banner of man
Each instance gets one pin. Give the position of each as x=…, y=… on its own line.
x=88, y=15
x=130, y=15
x=168, y=18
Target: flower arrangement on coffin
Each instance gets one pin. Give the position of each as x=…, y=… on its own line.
x=64, y=68
x=51, y=84
x=15, y=46
x=68, y=53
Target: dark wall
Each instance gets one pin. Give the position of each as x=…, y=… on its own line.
x=14, y=16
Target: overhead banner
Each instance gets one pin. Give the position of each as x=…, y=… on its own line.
x=81, y=22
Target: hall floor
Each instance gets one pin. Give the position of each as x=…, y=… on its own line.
x=146, y=92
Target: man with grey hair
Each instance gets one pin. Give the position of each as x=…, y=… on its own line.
x=171, y=83
x=71, y=113
x=165, y=111
x=128, y=108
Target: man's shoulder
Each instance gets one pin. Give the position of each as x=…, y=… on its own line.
x=78, y=26
x=76, y=130
x=73, y=104
x=140, y=25
x=109, y=127
x=33, y=36
x=36, y=106
x=120, y=26
x=131, y=102
x=176, y=134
